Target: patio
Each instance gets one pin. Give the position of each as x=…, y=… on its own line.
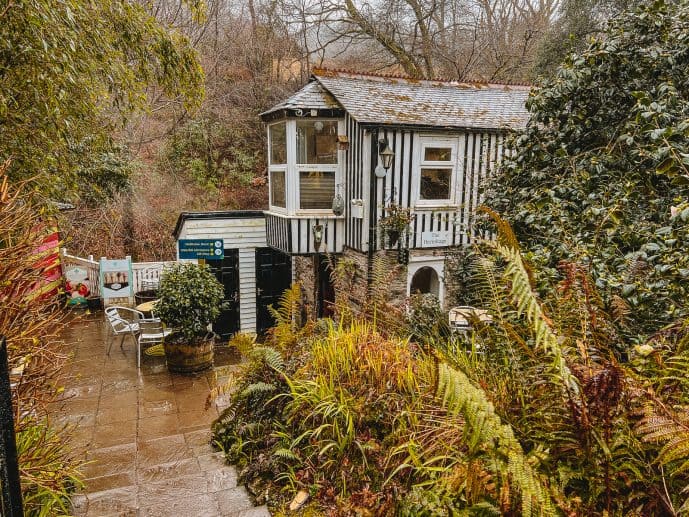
x=145, y=434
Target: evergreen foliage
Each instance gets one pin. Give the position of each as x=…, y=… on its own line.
x=71, y=71
x=190, y=299
x=600, y=174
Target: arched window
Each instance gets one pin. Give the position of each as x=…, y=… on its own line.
x=425, y=280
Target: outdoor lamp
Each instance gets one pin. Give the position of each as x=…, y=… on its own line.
x=317, y=236
x=386, y=156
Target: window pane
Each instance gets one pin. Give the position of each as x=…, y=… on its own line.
x=278, y=144
x=316, y=141
x=435, y=183
x=437, y=154
x=316, y=189
x=277, y=189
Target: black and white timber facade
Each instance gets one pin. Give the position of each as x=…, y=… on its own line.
x=324, y=141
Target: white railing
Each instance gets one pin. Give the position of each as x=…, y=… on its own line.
x=91, y=266
x=146, y=274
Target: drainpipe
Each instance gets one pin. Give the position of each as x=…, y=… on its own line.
x=372, y=209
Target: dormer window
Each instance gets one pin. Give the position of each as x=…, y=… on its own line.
x=303, y=167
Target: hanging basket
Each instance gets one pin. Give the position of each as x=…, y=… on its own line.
x=393, y=237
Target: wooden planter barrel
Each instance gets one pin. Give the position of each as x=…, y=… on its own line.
x=186, y=358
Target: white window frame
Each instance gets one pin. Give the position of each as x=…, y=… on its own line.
x=419, y=163
x=278, y=167
x=320, y=167
x=293, y=170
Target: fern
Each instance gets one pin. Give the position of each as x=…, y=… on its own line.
x=257, y=388
x=673, y=431
x=285, y=333
x=525, y=299
x=484, y=429
x=285, y=454
x=270, y=356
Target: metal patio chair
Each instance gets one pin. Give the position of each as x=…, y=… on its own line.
x=151, y=332
x=123, y=322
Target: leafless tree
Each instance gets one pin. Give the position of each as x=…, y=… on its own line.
x=457, y=39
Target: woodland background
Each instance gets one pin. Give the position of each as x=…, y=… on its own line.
x=210, y=155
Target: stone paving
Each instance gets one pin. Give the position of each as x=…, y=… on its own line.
x=144, y=434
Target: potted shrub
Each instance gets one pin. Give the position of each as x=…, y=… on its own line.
x=395, y=222
x=190, y=299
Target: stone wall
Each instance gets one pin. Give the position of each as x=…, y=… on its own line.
x=458, y=290
x=304, y=274
x=389, y=280
x=389, y=277
x=351, y=286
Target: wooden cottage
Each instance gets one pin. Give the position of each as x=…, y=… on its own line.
x=330, y=185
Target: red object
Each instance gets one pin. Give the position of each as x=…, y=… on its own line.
x=48, y=262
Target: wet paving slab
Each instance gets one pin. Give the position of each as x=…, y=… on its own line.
x=144, y=433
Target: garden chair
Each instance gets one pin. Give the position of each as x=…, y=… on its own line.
x=151, y=332
x=123, y=322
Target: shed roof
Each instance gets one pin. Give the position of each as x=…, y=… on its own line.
x=218, y=214
x=388, y=100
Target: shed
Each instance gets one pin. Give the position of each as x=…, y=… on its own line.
x=253, y=275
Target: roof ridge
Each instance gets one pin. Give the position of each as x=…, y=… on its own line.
x=334, y=72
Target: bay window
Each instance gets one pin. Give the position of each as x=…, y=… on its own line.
x=278, y=190
x=303, y=164
x=277, y=164
x=316, y=189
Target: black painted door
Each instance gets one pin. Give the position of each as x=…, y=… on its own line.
x=227, y=272
x=273, y=276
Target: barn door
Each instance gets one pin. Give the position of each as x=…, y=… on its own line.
x=227, y=273
x=273, y=276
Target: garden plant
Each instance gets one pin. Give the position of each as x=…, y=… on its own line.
x=190, y=300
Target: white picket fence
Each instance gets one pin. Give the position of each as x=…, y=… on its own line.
x=146, y=274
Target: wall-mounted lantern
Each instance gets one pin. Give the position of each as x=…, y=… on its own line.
x=338, y=202
x=317, y=236
x=386, y=156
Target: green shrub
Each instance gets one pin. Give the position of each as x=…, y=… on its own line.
x=190, y=300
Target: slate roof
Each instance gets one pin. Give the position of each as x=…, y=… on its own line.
x=311, y=96
x=387, y=100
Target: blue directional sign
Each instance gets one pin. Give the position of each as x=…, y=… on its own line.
x=209, y=249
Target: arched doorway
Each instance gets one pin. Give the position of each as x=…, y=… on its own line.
x=424, y=281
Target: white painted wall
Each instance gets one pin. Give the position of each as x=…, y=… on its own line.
x=438, y=264
x=246, y=235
